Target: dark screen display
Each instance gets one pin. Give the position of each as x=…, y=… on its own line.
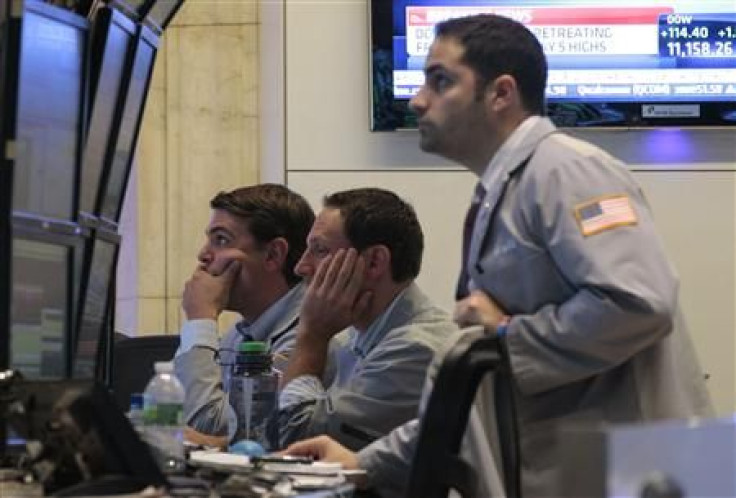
x=48, y=123
x=93, y=312
x=115, y=39
x=130, y=122
x=38, y=313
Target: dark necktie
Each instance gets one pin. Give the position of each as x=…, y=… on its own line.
x=464, y=279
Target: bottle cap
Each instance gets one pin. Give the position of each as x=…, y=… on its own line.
x=252, y=347
x=163, y=367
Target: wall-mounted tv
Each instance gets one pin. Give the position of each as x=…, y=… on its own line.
x=628, y=63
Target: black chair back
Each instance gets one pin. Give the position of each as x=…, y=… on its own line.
x=437, y=466
x=132, y=363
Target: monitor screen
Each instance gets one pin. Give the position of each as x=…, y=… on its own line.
x=47, y=121
x=40, y=286
x=140, y=72
x=628, y=63
x=112, y=38
x=93, y=309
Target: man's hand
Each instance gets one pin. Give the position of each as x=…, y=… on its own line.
x=479, y=309
x=206, y=293
x=325, y=449
x=334, y=299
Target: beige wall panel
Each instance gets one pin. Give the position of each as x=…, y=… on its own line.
x=226, y=320
x=151, y=185
x=218, y=12
x=174, y=315
x=212, y=134
x=151, y=316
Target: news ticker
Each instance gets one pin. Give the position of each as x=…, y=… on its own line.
x=609, y=83
x=596, y=30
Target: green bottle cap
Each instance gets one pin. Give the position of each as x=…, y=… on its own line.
x=252, y=347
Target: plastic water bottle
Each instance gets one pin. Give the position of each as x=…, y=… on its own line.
x=253, y=395
x=135, y=414
x=163, y=402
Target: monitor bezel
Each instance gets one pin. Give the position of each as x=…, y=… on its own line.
x=6, y=190
x=161, y=24
x=113, y=239
x=145, y=36
x=91, y=176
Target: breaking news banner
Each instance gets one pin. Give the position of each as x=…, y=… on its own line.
x=562, y=31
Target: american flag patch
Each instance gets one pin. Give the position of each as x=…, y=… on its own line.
x=604, y=213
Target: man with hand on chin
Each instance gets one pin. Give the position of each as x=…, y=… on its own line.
x=255, y=237
x=363, y=254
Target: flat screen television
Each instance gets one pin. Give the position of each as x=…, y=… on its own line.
x=43, y=105
x=628, y=63
x=112, y=40
x=138, y=77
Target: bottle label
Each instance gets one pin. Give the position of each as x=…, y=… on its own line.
x=163, y=414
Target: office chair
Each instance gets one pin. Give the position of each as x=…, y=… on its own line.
x=437, y=466
x=132, y=363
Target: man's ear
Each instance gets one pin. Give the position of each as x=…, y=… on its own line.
x=377, y=261
x=276, y=251
x=502, y=92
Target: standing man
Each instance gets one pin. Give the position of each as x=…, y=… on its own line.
x=363, y=254
x=255, y=237
x=564, y=263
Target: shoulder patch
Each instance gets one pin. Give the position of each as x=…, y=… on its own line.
x=603, y=213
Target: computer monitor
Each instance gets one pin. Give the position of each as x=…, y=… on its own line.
x=112, y=41
x=94, y=306
x=139, y=71
x=43, y=109
x=42, y=280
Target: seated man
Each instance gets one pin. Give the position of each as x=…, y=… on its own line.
x=254, y=238
x=363, y=254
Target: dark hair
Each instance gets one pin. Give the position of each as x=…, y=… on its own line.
x=272, y=211
x=375, y=216
x=496, y=45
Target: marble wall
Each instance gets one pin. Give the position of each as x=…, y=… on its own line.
x=200, y=135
